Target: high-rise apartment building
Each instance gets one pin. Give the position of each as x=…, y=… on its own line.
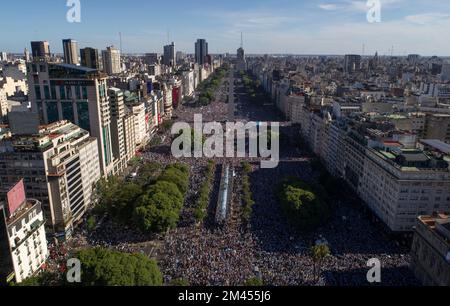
x=117, y=129
x=169, y=55
x=129, y=134
x=137, y=108
x=60, y=167
x=70, y=48
x=23, y=243
x=40, y=49
x=352, y=63
x=90, y=58
x=201, y=51
x=111, y=61
x=77, y=94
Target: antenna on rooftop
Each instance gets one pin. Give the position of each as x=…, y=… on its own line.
x=363, y=50
x=242, y=40
x=120, y=36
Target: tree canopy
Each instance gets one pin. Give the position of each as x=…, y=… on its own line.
x=158, y=209
x=301, y=205
x=153, y=202
x=102, y=267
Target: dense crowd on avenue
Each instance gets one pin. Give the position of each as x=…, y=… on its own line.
x=265, y=247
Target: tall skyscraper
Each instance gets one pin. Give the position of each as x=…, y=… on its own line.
x=169, y=55
x=77, y=94
x=111, y=61
x=70, y=48
x=352, y=63
x=90, y=58
x=40, y=49
x=201, y=51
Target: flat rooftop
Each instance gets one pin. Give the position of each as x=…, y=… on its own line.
x=440, y=224
x=437, y=144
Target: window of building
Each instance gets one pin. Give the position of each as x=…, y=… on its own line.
x=62, y=92
x=37, y=91
x=47, y=92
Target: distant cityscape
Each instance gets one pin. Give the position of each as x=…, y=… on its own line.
x=86, y=169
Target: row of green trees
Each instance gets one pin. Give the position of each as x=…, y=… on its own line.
x=247, y=196
x=153, y=202
x=159, y=208
x=254, y=89
x=302, y=205
x=210, y=85
x=205, y=192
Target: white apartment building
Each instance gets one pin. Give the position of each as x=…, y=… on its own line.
x=23, y=245
x=400, y=186
x=3, y=103
x=168, y=103
x=188, y=83
x=111, y=61
x=60, y=167
x=396, y=184
x=140, y=129
x=117, y=129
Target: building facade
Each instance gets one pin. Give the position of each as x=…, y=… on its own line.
x=112, y=63
x=23, y=244
x=60, y=167
x=77, y=94
x=169, y=55
x=90, y=58
x=201, y=51
x=40, y=50
x=70, y=48
x=431, y=250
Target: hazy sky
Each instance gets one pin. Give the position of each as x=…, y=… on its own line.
x=269, y=26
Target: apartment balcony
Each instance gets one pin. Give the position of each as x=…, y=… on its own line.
x=56, y=171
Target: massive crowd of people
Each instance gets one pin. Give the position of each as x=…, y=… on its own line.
x=269, y=249
x=266, y=247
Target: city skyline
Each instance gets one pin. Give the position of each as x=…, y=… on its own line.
x=273, y=27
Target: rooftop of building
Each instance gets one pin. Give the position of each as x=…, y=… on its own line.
x=412, y=159
x=47, y=133
x=21, y=211
x=437, y=145
x=439, y=224
x=70, y=71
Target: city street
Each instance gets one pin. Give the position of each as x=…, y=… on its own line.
x=266, y=247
